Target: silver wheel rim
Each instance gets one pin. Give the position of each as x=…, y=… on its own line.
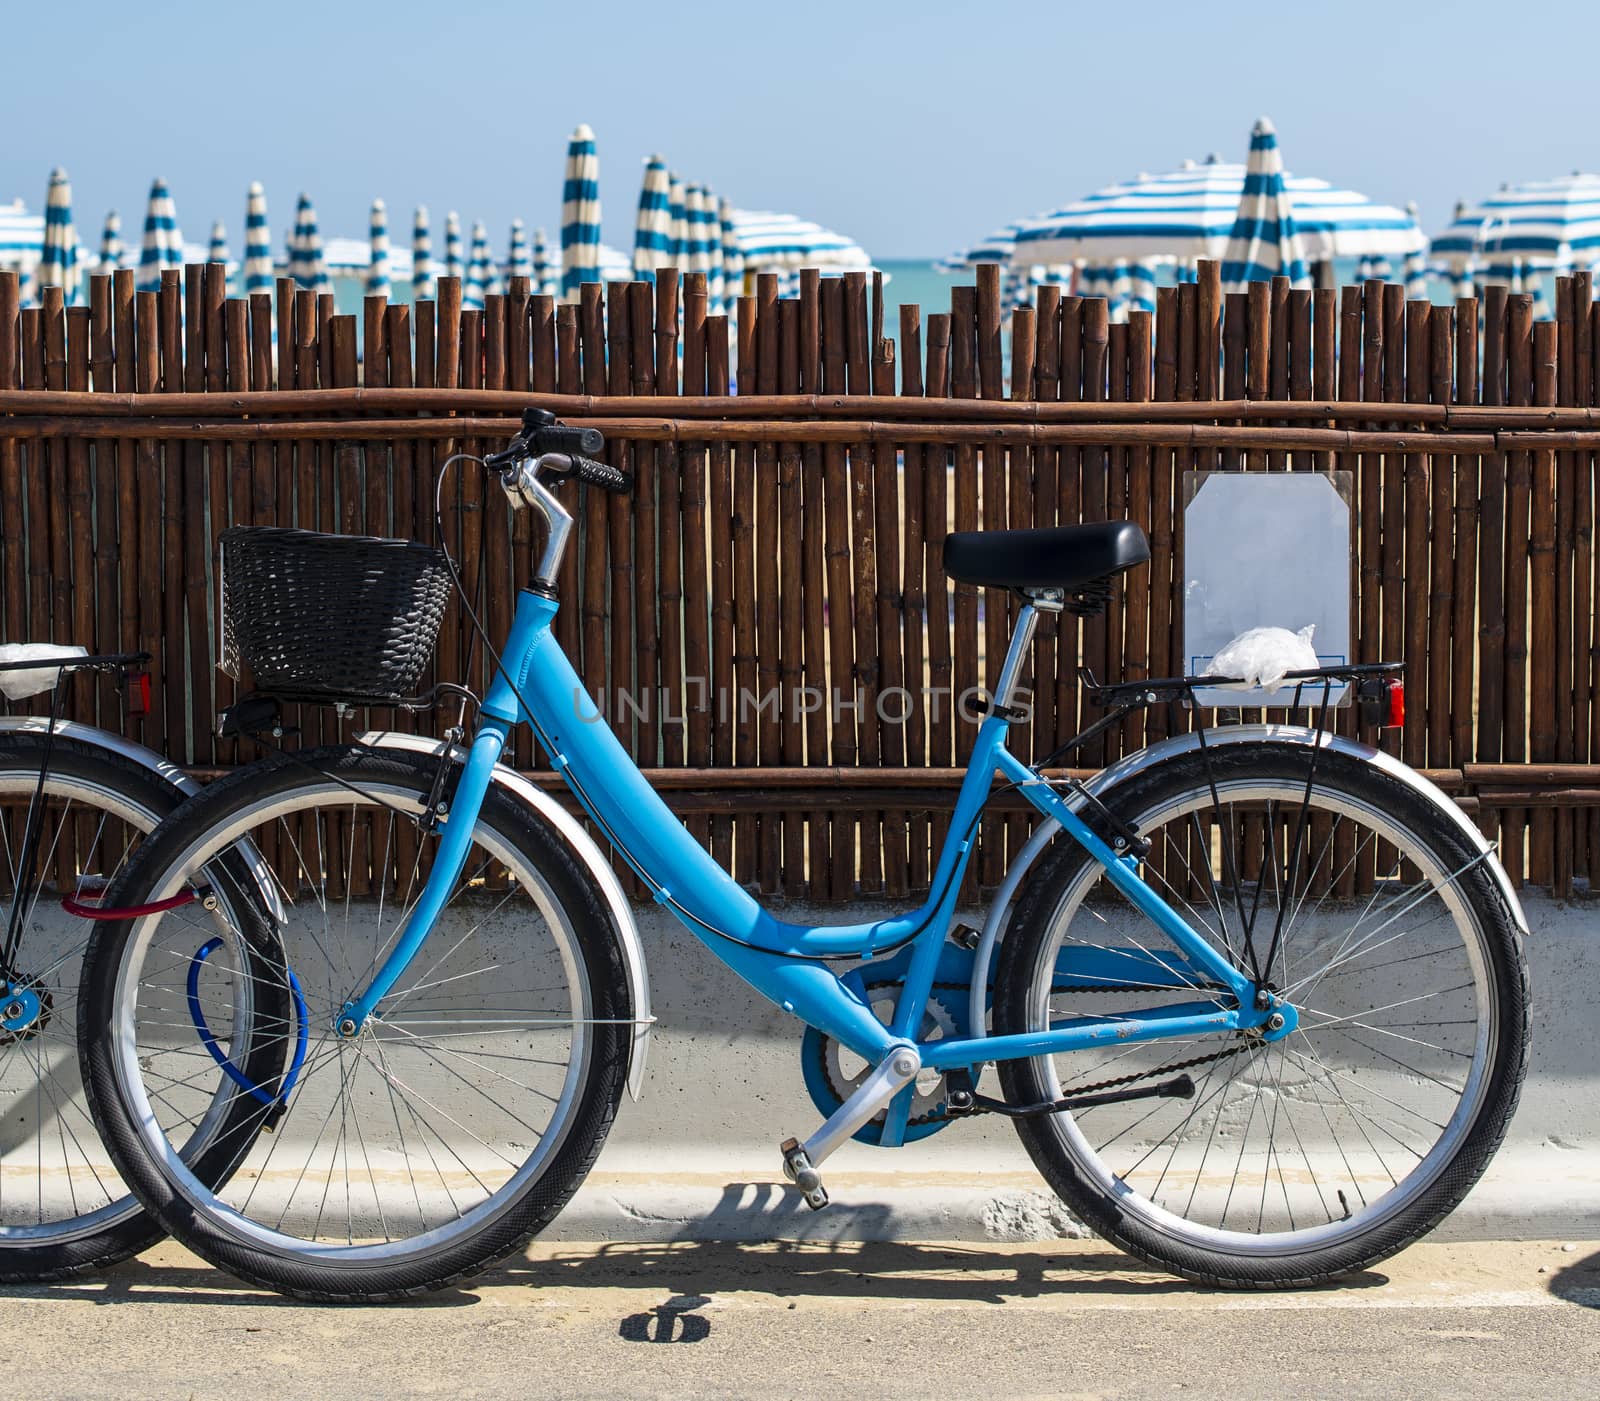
x=1113, y=1184
x=317, y=797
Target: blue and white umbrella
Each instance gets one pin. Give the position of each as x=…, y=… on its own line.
x=1415, y=268
x=306, y=263
x=111, y=249
x=378, y=284
x=423, y=285
x=21, y=238
x=1189, y=214
x=677, y=222
x=163, y=241
x=1265, y=242
x=477, y=283
x=998, y=247
x=772, y=242
x=1374, y=270
x=704, y=231
x=454, y=264
x=732, y=259
x=1020, y=283
x=652, y=229
x=545, y=281
x=580, y=214
x=217, y=252
x=257, y=242
x=612, y=264
x=518, y=263
x=59, y=264
x=1552, y=224
x=1142, y=286
x=352, y=258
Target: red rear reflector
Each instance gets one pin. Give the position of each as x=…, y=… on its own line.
x=136, y=685
x=1395, y=710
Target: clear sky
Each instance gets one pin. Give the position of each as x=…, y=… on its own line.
x=914, y=127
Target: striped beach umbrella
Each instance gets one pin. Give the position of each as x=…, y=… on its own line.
x=1189, y=213
x=580, y=214
x=1142, y=286
x=1265, y=242
x=732, y=259
x=163, y=241
x=698, y=215
x=652, y=230
x=378, y=282
x=1374, y=270
x=306, y=263
x=477, y=283
x=518, y=263
x=217, y=252
x=1553, y=224
x=21, y=238
x=771, y=242
x=545, y=282
x=454, y=264
x=677, y=222
x=257, y=242
x=1415, y=268
x=423, y=286
x=59, y=264
x=111, y=249
x=614, y=265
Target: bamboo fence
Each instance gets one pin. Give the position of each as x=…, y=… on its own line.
x=798, y=468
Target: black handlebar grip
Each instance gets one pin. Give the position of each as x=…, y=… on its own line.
x=562, y=437
x=601, y=474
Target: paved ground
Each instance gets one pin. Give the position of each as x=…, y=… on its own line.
x=1067, y=1318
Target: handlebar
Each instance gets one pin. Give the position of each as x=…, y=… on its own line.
x=541, y=436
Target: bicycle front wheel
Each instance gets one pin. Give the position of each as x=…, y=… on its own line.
x=453, y=1126
x=1324, y=1152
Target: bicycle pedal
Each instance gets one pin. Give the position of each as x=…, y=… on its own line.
x=798, y=1169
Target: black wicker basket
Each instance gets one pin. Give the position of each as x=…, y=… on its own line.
x=350, y=619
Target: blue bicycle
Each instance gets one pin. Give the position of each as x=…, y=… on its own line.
x=1254, y=997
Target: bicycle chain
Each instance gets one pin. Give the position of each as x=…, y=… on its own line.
x=1133, y=1079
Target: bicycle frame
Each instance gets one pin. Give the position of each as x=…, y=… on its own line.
x=783, y=961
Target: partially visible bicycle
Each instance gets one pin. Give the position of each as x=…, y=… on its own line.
x=1255, y=995
x=75, y=801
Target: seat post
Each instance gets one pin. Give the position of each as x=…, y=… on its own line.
x=1038, y=601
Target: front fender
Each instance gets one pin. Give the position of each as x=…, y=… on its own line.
x=1137, y=762
x=589, y=854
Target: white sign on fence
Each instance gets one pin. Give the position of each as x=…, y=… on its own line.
x=1266, y=549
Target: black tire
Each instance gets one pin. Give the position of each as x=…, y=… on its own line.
x=194, y=1218
x=81, y=770
x=1129, y=1215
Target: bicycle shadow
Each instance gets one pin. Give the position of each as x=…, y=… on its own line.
x=1579, y=1282
x=768, y=1259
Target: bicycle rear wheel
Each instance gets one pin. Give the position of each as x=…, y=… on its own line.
x=1297, y=1160
x=63, y=1208
x=451, y=1128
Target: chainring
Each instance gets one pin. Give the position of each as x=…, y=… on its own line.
x=830, y=1083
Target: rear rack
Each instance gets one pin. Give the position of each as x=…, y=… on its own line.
x=1122, y=698
x=1137, y=694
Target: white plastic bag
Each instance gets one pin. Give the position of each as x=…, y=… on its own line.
x=1262, y=657
x=19, y=685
